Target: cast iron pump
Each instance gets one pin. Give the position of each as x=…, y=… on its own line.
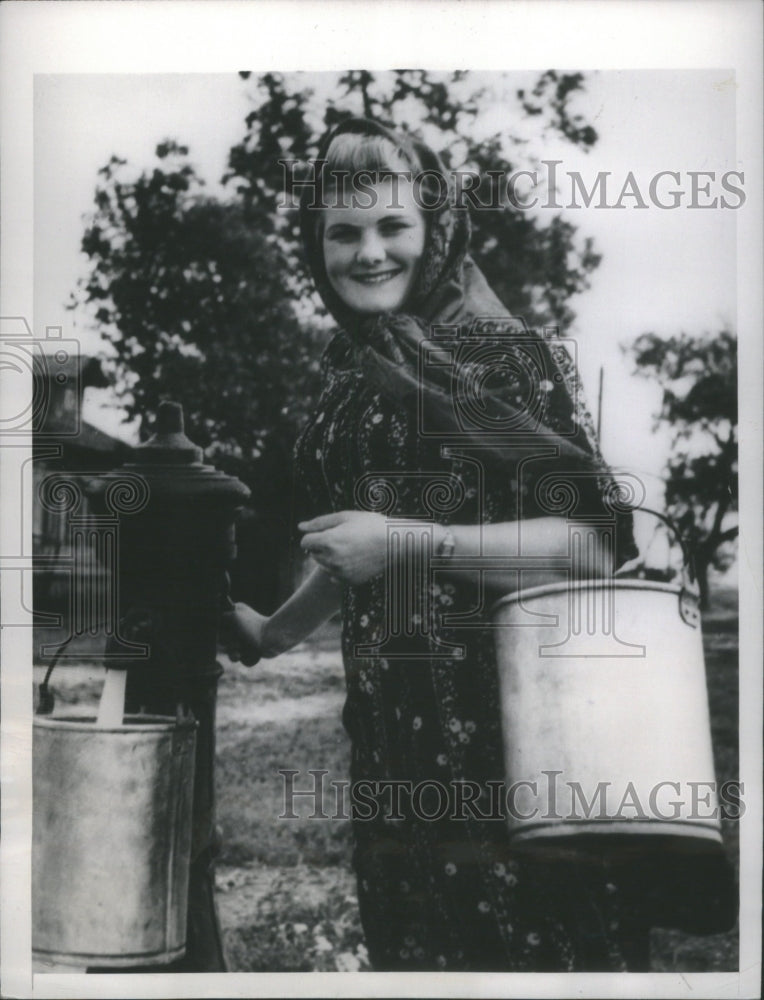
x=173, y=557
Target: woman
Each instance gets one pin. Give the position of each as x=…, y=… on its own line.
x=414, y=460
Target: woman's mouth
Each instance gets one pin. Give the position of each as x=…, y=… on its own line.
x=378, y=277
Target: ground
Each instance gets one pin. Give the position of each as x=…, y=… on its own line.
x=286, y=894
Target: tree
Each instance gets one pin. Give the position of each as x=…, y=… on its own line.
x=190, y=293
x=698, y=376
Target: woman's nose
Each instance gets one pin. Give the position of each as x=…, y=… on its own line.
x=371, y=249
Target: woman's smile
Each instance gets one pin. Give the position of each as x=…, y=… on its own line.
x=372, y=251
x=377, y=277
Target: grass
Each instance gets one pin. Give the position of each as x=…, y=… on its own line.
x=251, y=794
x=294, y=907
x=283, y=714
x=286, y=893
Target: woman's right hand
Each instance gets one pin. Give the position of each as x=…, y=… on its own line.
x=241, y=633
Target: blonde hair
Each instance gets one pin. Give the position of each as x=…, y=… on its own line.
x=352, y=155
x=351, y=152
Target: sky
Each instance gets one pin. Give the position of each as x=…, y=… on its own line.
x=665, y=270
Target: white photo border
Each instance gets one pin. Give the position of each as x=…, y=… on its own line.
x=182, y=36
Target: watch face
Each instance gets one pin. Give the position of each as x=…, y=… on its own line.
x=447, y=546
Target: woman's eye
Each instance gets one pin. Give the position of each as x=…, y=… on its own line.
x=393, y=227
x=342, y=235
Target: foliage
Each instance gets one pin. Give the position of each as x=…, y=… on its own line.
x=190, y=292
x=698, y=376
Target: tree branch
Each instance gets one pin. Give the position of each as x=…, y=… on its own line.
x=728, y=535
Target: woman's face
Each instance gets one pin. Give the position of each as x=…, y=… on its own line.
x=372, y=254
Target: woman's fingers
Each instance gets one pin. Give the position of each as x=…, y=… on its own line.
x=328, y=562
x=239, y=634
x=324, y=521
x=314, y=543
x=325, y=561
x=247, y=656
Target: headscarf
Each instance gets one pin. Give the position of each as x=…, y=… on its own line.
x=508, y=388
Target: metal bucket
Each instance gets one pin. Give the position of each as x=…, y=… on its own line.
x=605, y=715
x=111, y=840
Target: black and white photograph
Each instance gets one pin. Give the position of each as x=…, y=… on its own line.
x=381, y=459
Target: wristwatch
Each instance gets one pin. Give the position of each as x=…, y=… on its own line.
x=447, y=545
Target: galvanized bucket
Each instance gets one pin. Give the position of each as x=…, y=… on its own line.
x=111, y=840
x=605, y=715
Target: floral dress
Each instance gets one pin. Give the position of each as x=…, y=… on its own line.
x=437, y=890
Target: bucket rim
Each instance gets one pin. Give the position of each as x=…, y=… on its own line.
x=87, y=723
x=598, y=583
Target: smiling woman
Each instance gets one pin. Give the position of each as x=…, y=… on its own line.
x=381, y=495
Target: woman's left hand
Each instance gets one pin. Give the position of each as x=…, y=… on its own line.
x=350, y=545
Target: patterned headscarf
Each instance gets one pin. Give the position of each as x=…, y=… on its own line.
x=515, y=387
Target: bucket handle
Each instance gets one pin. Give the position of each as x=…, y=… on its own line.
x=687, y=557
x=688, y=595
x=688, y=561
x=46, y=700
